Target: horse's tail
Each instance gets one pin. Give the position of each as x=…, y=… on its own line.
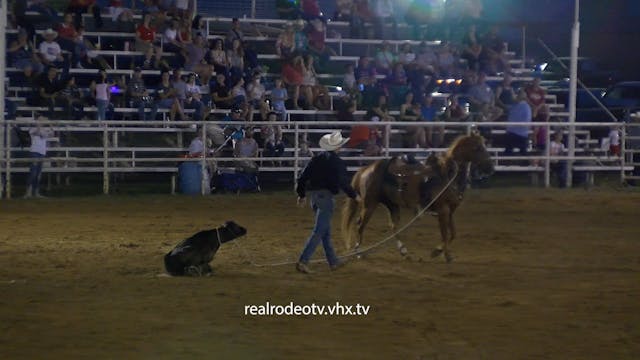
x=349, y=212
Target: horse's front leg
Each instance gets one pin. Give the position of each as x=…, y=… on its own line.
x=452, y=235
x=394, y=219
x=443, y=222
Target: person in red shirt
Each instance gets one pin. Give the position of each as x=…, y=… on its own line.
x=79, y=7
x=145, y=34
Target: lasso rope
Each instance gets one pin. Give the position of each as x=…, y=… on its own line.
x=357, y=251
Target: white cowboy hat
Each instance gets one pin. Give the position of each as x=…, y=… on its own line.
x=333, y=141
x=50, y=32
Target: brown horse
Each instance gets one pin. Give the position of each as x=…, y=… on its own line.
x=396, y=183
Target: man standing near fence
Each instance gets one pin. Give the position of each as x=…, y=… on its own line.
x=38, y=151
x=324, y=176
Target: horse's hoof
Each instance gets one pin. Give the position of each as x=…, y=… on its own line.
x=448, y=257
x=436, y=252
x=403, y=251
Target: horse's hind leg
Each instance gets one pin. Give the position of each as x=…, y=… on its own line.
x=452, y=235
x=394, y=217
x=365, y=215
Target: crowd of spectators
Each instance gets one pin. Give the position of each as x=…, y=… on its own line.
x=199, y=73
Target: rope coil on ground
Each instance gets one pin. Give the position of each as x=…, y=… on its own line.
x=358, y=251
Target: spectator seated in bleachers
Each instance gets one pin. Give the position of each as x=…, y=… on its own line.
x=410, y=111
x=396, y=83
x=235, y=56
x=79, y=7
x=119, y=12
x=492, y=57
x=22, y=53
x=446, y=62
x=51, y=52
x=256, y=97
x=49, y=90
x=246, y=147
x=293, y=75
x=187, y=99
x=139, y=96
x=317, y=46
x=288, y=9
x=279, y=97
x=385, y=58
x=343, y=12
x=194, y=54
x=221, y=93
x=234, y=131
x=84, y=54
x=218, y=58
x=151, y=59
x=285, y=44
x=166, y=97
x=384, y=13
x=172, y=40
x=310, y=10
x=360, y=14
x=506, y=94
x=471, y=48
x=72, y=99
x=454, y=111
x=482, y=100
x=145, y=34
x=234, y=33
x=272, y=137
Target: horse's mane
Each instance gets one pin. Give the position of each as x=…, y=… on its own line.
x=457, y=142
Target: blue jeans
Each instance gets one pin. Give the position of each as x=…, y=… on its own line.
x=102, y=106
x=34, y=173
x=322, y=204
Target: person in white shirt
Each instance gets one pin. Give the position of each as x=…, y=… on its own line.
x=383, y=11
x=38, y=151
x=50, y=50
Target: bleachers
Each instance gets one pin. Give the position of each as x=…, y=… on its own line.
x=111, y=156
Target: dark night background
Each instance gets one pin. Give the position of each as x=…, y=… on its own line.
x=610, y=29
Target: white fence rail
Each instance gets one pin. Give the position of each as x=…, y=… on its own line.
x=110, y=155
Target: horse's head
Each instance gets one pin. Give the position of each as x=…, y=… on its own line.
x=471, y=149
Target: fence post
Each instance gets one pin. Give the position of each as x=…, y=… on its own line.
x=524, y=46
x=387, y=137
x=105, y=161
x=623, y=151
x=203, y=161
x=296, y=153
x=253, y=9
x=547, y=153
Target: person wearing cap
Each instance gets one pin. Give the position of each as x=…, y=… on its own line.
x=138, y=93
x=50, y=50
x=323, y=177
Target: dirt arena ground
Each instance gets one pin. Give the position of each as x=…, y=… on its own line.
x=539, y=274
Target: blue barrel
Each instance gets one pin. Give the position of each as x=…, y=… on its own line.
x=190, y=178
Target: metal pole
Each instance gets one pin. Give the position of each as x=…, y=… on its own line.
x=4, y=138
x=524, y=46
x=547, y=153
x=105, y=161
x=573, y=86
x=203, y=161
x=296, y=153
x=253, y=9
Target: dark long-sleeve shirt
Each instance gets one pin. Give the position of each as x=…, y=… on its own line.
x=325, y=171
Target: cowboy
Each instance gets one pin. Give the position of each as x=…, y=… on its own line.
x=323, y=177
